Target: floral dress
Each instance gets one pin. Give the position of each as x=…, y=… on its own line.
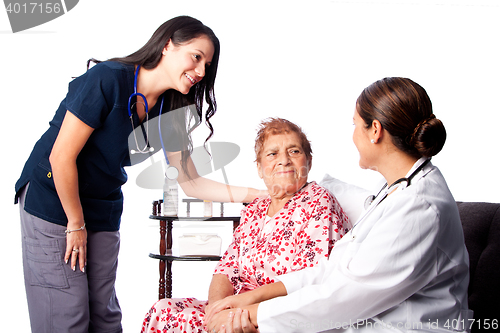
x=298, y=236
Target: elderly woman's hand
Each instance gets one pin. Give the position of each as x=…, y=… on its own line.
x=230, y=302
x=216, y=307
x=233, y=321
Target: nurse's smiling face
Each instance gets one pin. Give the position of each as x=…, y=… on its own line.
x=185, y=65
x=283, y=164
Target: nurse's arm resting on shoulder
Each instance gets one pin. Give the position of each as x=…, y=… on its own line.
x=206, y=189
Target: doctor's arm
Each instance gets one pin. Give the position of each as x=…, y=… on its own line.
x=390, y=264
x=206, y=189
x=69, y=142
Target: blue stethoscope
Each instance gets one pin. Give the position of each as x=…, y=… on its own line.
x=136, y=94
x=172, y=171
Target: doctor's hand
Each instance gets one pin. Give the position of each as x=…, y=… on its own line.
x=76, y=249
x=238, y=321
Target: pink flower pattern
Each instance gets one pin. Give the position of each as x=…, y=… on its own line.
x=298, y=236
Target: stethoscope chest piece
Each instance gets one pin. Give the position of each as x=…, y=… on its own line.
x=369, y=201
x=172, y=172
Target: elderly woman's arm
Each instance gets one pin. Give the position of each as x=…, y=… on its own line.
x=220, y=288
x=227, y=270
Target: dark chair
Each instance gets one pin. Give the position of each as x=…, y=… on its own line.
x=481, y=224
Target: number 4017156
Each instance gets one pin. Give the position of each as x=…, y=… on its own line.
x=480, y=323
x=33, y=8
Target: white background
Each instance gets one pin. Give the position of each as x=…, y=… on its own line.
x=306, y=61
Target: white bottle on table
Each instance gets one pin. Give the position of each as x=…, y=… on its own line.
x=170, y=193
x=207, y=211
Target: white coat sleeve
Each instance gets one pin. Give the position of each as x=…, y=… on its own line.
x=395, y=258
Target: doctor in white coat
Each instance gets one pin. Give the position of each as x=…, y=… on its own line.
x=403, y=267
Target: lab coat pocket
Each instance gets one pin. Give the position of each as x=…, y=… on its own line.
x=45, y=263
x=350, y=252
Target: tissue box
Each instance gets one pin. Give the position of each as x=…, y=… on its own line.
x=199, y=245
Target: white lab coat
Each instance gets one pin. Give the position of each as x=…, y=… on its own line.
x=403, y=268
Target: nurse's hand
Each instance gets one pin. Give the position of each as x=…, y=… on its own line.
x=76, y=248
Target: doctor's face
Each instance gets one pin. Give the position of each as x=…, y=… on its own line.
x=362, y=142
x=185, y=65
x=283, y=164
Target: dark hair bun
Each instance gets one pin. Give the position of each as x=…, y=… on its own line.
x=404, y=110
x=429, y=137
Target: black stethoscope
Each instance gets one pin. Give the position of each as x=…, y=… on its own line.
x=374, y=200
x=172, y=171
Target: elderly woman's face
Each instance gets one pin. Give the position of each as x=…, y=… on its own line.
x=283, y=164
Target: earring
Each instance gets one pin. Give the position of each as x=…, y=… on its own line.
x=372, y=141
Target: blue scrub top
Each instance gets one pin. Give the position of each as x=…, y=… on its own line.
x=99, y=98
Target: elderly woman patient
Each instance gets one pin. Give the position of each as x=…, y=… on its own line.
x=292, y=228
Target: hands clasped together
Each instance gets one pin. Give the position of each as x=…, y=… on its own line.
x=230, y=315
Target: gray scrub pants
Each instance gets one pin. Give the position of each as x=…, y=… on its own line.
x=59, y=299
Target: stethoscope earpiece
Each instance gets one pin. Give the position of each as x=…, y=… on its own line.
x=132, y=151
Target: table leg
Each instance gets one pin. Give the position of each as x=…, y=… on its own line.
x=163, y=248
x=168, y=279
x=169, y=235
x=168, y=294
x=161, y=288
x=165, y=283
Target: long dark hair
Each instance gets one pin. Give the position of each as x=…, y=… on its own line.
x=181, y=30
x=405, y=110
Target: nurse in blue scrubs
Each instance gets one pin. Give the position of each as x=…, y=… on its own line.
x=70, y=188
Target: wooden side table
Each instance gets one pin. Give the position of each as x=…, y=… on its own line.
x=165, y=255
